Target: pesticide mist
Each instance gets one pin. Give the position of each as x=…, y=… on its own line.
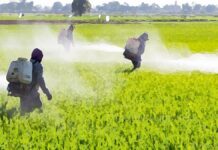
x=3, y=82
x=159, y=58
x=156, y=56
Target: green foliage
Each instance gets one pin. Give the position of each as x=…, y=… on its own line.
x=100, y=106
x=93, y=18
x=138, y=110
x=79, y=7
x=198, y=37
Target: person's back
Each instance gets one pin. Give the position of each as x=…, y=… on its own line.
x=31, y=100
x=142, y=38
x=66, y=37
x=136, y=58
x=38, y=80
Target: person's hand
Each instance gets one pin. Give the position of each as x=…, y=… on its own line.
x=49, y=96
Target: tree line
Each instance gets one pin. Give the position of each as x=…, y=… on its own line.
x=29, y=7
x=78, y=7
x=143, y=8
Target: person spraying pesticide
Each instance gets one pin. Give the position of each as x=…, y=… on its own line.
x=25, y=77
x=65, y=37
x=134, y=48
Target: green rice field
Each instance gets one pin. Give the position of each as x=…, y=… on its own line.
x=98, y=105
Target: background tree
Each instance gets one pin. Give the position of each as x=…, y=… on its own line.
x=67, y=8
x=57, y=7
x=197, y=8
x=211, y=8
x=186, y=8
x=80, y=7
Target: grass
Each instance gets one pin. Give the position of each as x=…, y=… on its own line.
x=99, y=106
x=143, y=109
x=198, y=37
x=114, y=18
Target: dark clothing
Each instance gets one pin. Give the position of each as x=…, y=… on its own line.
x=31, y=100
x=131, y=56
x=136, y=59
x=141, y=48
x=37, y=55
x=38, y=80
x=136, y=64
x=143, y=38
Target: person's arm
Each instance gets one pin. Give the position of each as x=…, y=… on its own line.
x=41, y=82
x=141, y=48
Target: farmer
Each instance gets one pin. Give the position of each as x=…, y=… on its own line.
x=65, y=37
x=31, y=100
x=136, y=58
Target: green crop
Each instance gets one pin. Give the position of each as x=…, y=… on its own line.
x=94, y=18
x=100, y=106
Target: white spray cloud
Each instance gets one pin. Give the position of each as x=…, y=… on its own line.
x=88, y=52
x=46, y=39
x=159, y=58
x=3, y=82
x=156, y=55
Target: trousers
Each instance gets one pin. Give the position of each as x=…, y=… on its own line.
x=30, y=102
